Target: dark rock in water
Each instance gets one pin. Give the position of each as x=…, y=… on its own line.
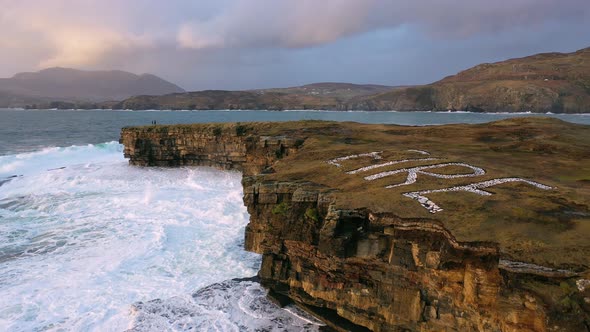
x=251, y=279
x=8, y=179
x=435, y=228
x=238, y=304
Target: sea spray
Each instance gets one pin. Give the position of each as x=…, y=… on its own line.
x=85, y=238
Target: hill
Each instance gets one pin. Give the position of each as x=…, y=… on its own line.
x=65, y=84
x=549, y=82
x=331, y=96
x=343, y=91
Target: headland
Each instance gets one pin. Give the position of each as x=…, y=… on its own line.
x=396, y=228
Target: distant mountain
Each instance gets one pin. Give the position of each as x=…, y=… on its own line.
x=548, y=82
x=65, y=84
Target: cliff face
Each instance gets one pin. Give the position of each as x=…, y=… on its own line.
x=356, y=268
x=224, y=147
x=379, y=271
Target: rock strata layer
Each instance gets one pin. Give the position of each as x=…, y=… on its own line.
x=359, y=267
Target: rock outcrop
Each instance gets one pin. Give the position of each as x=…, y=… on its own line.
x=224, y=147
x=359, y=267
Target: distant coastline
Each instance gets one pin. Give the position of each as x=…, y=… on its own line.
x=288, y=110
x=557, y=83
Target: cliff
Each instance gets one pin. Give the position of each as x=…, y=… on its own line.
x=392, y=228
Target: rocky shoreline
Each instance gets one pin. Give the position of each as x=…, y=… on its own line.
x=361, y=256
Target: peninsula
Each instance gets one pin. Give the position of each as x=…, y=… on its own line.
x=395, y=228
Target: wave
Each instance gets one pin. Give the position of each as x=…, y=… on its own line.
x=84, y=236
x=234, y=305
x=53, y=158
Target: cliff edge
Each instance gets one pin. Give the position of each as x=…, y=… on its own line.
x=394, y=228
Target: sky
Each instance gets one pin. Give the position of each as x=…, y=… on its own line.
x=246, y=44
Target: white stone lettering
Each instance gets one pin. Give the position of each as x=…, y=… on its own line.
x=473, y=188
x=389, y=163
x=420, y=152
x=374, y=155
x=414, y=171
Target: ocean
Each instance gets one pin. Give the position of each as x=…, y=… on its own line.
x=89, y=243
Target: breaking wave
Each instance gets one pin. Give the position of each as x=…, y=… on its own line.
x=89, y=243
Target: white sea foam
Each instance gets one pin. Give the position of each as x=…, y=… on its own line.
x=233, y=305
x=80, y=245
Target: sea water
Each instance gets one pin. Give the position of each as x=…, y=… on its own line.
x=89, y=243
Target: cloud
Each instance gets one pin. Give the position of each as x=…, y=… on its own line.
x=65, y=33
x=209, y=36
x=289, y=24
x=306, y=23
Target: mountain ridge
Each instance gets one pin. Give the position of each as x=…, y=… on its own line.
x=540, y=83
x=67, y=84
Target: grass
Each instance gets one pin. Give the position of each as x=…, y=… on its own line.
x=529, y=224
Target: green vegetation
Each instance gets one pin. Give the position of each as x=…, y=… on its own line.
x=312, y=214
x=281, y=209
x=241, y=129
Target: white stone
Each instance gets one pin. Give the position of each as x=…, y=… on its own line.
x=336, y=162
x=420, y=152
x=389, y=163
x=583, y=284
x=414, y=171
x=473, y=188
